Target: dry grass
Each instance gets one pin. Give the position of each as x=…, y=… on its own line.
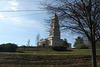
x=29, y=60
x=29, y=57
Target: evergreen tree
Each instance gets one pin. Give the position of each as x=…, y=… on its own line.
x=65, y=43
x=80, y=43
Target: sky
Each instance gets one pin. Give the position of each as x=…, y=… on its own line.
x=20, y=26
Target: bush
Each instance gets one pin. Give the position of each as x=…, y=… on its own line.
x=84, y=47
x=9, y=47
x=23, y=46
x=59, y=48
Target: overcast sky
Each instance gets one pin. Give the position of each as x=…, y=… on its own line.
x=19, y=27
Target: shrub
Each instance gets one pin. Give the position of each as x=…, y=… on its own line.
x=9, y=47
x=59, y=48
x=84, y=46
x=23, y=46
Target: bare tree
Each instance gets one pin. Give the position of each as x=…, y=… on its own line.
x=80, y=16
x=37, y=40
x=28, y=43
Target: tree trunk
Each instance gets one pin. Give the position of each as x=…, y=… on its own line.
x=94, y=64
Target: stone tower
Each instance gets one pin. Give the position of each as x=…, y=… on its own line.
x=54, y=34
x=54, y=28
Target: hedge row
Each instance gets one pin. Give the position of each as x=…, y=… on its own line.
x=9, y=47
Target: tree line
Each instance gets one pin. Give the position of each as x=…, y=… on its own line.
x=81, y=43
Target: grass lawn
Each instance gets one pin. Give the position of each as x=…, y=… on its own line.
x=46, y=51
x=72, y=51
x=30, y=57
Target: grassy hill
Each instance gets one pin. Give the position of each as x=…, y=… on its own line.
x=48, y=51
x=30, y=57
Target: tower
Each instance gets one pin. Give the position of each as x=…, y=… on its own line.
x=54, y=31
x=54, y=34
